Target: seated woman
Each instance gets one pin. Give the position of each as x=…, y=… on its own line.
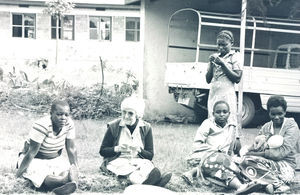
x=271, y=160
x=41, y=161
x=212, y=148
x=127, y=147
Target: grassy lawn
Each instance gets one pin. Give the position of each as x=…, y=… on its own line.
x=172, y=145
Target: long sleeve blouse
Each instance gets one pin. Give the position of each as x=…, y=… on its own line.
x=290, y=133
x=112, y=137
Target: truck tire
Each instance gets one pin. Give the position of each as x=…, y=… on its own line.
x=200, y=112
x=248, y=111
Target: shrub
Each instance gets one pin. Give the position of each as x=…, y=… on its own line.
x=90, y=103
x=20, y=92
x=86, y=103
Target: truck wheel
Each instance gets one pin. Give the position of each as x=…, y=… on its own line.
x=248, y=111
x=200, y=112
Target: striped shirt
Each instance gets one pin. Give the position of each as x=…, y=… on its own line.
x=51, y=144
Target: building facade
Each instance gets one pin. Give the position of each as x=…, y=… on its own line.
x=128, y=35
x=90, y=31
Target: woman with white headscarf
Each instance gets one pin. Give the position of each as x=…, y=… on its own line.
x=127, y=146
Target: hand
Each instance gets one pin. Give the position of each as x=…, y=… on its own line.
x=259, y=141
x=134, y=150
x=124, y=148
x=237, y=146
x=212, y=57
x=219, y=61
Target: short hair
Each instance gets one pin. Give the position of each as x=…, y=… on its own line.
x=226, y=34
x=275, y=101
x=55, y=103
x=221, y=102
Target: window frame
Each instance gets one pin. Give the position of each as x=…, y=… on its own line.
x=293, y=58
x=136, y=30
x=62, y=28
x=98, y=28
x=23, y=26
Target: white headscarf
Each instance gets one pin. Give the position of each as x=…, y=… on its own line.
x=134, y=103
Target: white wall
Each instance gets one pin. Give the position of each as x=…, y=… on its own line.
x=79, y=58
x=157, y=15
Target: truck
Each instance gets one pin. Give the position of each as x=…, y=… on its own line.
x=271, y=59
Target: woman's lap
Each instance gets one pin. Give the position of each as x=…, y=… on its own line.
x=137, y=169
x=267, y=171
x=39, y=169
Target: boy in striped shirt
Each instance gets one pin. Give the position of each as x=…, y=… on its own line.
x=41, y=161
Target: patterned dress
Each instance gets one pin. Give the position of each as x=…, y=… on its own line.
x=277, y=166
x=211, y=151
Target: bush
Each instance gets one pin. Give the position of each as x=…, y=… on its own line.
x=86, y=103
x=92, y=103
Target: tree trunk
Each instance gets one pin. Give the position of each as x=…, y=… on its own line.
x=57, y=37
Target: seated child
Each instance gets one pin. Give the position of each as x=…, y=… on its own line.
x=212, y=148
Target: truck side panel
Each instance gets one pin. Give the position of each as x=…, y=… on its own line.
x=264, y=81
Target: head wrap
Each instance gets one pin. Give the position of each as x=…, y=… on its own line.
x=134, y=103
x=226, y=34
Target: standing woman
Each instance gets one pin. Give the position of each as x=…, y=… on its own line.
x=223, y=72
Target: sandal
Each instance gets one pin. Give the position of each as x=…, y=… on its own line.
x=282, y=189
x=67, y=188
x=270, y=189
x=251, y=187
x=153, y=177
x=188, y=178
x=165, y=178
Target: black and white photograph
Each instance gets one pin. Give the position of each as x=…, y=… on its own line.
x=150, y=97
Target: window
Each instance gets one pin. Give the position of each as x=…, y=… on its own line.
x=295, y=58
x=132, y=29
x=23, y=25
x=100, y=28
x=281, y=58
x=65, y=28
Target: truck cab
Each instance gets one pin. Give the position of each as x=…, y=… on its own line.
x=287, y=57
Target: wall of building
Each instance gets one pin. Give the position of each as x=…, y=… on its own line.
x=78, y=60
x=157, y=16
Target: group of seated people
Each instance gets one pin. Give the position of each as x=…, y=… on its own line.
x=268, y=164
x=127, y=150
